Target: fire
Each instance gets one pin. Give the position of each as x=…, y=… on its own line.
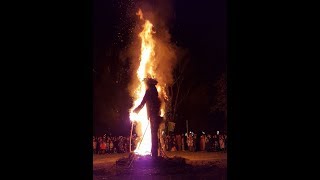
x=139, y=13
x=147, y=58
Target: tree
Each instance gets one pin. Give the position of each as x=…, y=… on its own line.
x=111, y=104
x=220, y=101
x=176, y=94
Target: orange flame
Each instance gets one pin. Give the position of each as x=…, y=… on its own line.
x=146, y=69
x=139, y=13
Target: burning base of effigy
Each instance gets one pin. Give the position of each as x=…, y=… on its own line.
x=148, y=161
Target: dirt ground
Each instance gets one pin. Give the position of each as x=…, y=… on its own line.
x=177, y=165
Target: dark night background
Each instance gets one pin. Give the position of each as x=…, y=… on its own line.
x=47, y=90
x=199, y=27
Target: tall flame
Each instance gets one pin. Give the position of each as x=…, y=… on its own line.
x=147, y=58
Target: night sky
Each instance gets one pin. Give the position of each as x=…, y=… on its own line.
x=198, y=26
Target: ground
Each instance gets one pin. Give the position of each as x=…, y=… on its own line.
x=179, y=165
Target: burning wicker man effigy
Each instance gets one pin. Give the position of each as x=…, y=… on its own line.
x=153, y=104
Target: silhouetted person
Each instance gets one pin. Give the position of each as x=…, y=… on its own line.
x=152, y=102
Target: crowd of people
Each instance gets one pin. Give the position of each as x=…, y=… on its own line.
x=193, y=142
x=173, y=142
x=111, y=144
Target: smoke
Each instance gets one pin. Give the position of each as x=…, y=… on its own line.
x=160, y=14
